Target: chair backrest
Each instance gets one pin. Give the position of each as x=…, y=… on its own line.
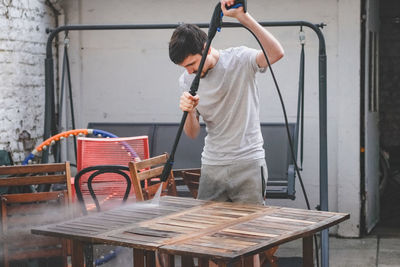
x=192, y=179
x=109, y=151
x=5, y=159
x=109, y=181
x=21, y=211
x=151, y=170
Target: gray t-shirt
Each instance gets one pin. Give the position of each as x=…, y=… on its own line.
x=229, y=106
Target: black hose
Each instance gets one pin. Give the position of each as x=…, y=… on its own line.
x=288, y=134
x=214, y=25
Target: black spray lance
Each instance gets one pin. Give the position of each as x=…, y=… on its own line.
x=215, y=25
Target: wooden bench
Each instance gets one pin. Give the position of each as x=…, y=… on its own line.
x=21, y=211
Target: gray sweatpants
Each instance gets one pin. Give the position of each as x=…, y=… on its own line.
x=242, y=182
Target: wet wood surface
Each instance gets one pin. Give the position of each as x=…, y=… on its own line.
x=221, y=231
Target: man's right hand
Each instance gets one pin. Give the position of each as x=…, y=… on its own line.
x=188, y=102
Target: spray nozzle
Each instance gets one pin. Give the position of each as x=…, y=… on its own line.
x=237, y=4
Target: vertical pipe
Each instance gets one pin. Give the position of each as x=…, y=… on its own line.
x=323, y=175
x=49, y=102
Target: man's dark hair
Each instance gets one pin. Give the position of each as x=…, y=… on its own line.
x=187, y=39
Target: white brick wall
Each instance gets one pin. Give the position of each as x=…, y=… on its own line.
x=22, y=53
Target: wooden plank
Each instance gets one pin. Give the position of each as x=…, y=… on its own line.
x=318, y=213
x=68, y=178
x=272, y=225
x=83, y=225
x=272, y=217
x=150, y=258
x=308, y=258
x=34, y=168
x=151, y=232
x=42, y=253
x=150, y=173
x=251, y=233
x=198, y=251
x=302, y=218
x=140, y=239
x=28, y=240
x=247, y=261
x=135, y=181
x=228, y=241
x=77, y=253
x=158, y=160
x=187, y=261
x=207, y=244
x=65, y=230
x=138, y=257
x=203, y=262
x=171, y=260
x=189, y=224
x=170, y=228
x=33, y=180
x=53, y=207
x=33, y=197
x=241, y=237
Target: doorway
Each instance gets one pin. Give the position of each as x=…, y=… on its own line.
x=389, y=114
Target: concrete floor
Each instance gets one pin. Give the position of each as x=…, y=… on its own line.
x=369, y=251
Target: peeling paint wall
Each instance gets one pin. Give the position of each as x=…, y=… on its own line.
x=22, y=52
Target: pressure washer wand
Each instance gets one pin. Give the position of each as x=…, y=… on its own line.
x=215, y=25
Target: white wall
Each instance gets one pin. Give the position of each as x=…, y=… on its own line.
x=126, y=76
x=22, y=52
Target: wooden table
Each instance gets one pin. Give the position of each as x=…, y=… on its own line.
x=221, y=231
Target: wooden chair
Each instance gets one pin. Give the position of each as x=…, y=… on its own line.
x=21, y=211
x=151, y=170
x=191, y=179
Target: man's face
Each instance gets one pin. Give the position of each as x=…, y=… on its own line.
x=191, y=64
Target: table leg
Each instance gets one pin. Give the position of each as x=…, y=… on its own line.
x=88, y=250
x=248, y=261
x=204, y=262
x=187, y=261
x=171, y=260
x=150, y=258
x=222, y=263
x=138, y=257
x=77, y=257
x=308, y=257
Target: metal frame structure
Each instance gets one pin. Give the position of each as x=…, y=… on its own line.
x=50, y=125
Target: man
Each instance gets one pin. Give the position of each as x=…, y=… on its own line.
x=233, y=163
x=233, y=159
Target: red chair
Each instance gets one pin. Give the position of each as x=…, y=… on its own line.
x=108, y=151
